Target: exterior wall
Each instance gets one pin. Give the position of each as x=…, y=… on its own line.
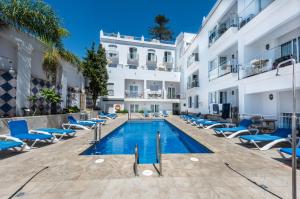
x=121, y=76
x=24, y=54
x=272, y=24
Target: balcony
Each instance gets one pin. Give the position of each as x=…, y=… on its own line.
x=258, y=66
x=154, y=94
x=193, y=84
x=151, y=63
x=223, y=69
x=251, y=10
x=173, y=96
x=112, y=57
x=193, y=58
x=134, y=94
x=222, y=28
x=133, y=59
x=168, y=63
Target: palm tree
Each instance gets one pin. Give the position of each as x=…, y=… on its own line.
x=160, y=31
x=39, y=20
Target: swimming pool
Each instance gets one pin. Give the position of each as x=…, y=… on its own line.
x=143, y=133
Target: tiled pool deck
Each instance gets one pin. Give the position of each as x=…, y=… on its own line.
x=73, y=176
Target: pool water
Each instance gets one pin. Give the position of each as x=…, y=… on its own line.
x=143, y=133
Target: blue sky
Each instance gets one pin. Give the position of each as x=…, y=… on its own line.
x=85, y=18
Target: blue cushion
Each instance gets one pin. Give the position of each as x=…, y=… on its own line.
x=260, y=138
x=245, y=123
x=290, y=151
x=56, y=130
x=4, y=145
x=33, y=136
x=18, y=127
x=233, y=129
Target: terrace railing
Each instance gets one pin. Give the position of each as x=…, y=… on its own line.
x=225, y=68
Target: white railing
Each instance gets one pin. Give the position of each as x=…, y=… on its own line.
x=221, y=28
x=194, y=57
x=252, y=9
x=263, y=62
x=225, y=68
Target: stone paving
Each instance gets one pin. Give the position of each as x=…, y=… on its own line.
x=71, y=175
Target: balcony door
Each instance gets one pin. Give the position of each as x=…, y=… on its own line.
x=154, y=108
x=171, y=93
x=133, y=90
x=134, y=108
x=132, y=53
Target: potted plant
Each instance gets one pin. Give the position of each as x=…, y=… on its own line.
x=50, y=95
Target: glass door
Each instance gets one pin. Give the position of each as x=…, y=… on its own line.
x=134, y=108
x=133, y=90
x=171, y=93
x=154, y=108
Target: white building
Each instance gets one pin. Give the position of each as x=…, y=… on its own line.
x=142, y=74
x=234, y=56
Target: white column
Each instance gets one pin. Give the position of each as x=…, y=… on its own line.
x=23, y=75
x=145, y=89
x=164, y=89
x=64, y=88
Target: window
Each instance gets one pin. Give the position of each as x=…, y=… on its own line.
x=190, y=102
x=133, y=90
x=154, y=108
x=167, y=57
x=112, y=47
x=223, y=97
x=151, y=55
x=134, y=108
x=110, y=89
x=196, y=103
x=171, y=93
x=133, y=53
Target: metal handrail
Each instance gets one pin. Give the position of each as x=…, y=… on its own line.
x=136, y=160
x=158, y=153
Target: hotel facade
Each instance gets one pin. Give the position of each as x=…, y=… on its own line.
x=142, y=74
x=231, y=60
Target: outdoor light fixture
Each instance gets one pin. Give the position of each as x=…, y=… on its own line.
x=294, y=160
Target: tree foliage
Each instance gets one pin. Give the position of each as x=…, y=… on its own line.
x=38, y=19
x=160, y=30
x=94, y=69
x=34, y=17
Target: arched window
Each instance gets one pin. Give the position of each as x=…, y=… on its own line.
x=151, y=55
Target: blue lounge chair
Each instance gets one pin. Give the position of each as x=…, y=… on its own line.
x=146, y=114
x=213, y=124
x=289, y=151
x=107, y=116
x=8, y=142
x=83, y=124
x=60, y=133
x=280, y=135
x=19, y=129
x=235, y=131
x=165, y=114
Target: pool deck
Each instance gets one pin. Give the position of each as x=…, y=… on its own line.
x=70, y=175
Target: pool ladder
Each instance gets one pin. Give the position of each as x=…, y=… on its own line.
x=158, y=157
x=158, y=153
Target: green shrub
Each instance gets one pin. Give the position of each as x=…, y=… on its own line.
x=141, y=111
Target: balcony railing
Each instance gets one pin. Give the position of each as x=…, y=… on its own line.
x=118, y=35
x=110, y=92
x=152, y=63
x=132, y=59
x=155, y=94
x=173, y=96
x=251, y=10
x=193, y=84
x=221, y=28
x=223, y=69
x=134, y=94
x=194, y=57
x=266, y=61
x=168, y=62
